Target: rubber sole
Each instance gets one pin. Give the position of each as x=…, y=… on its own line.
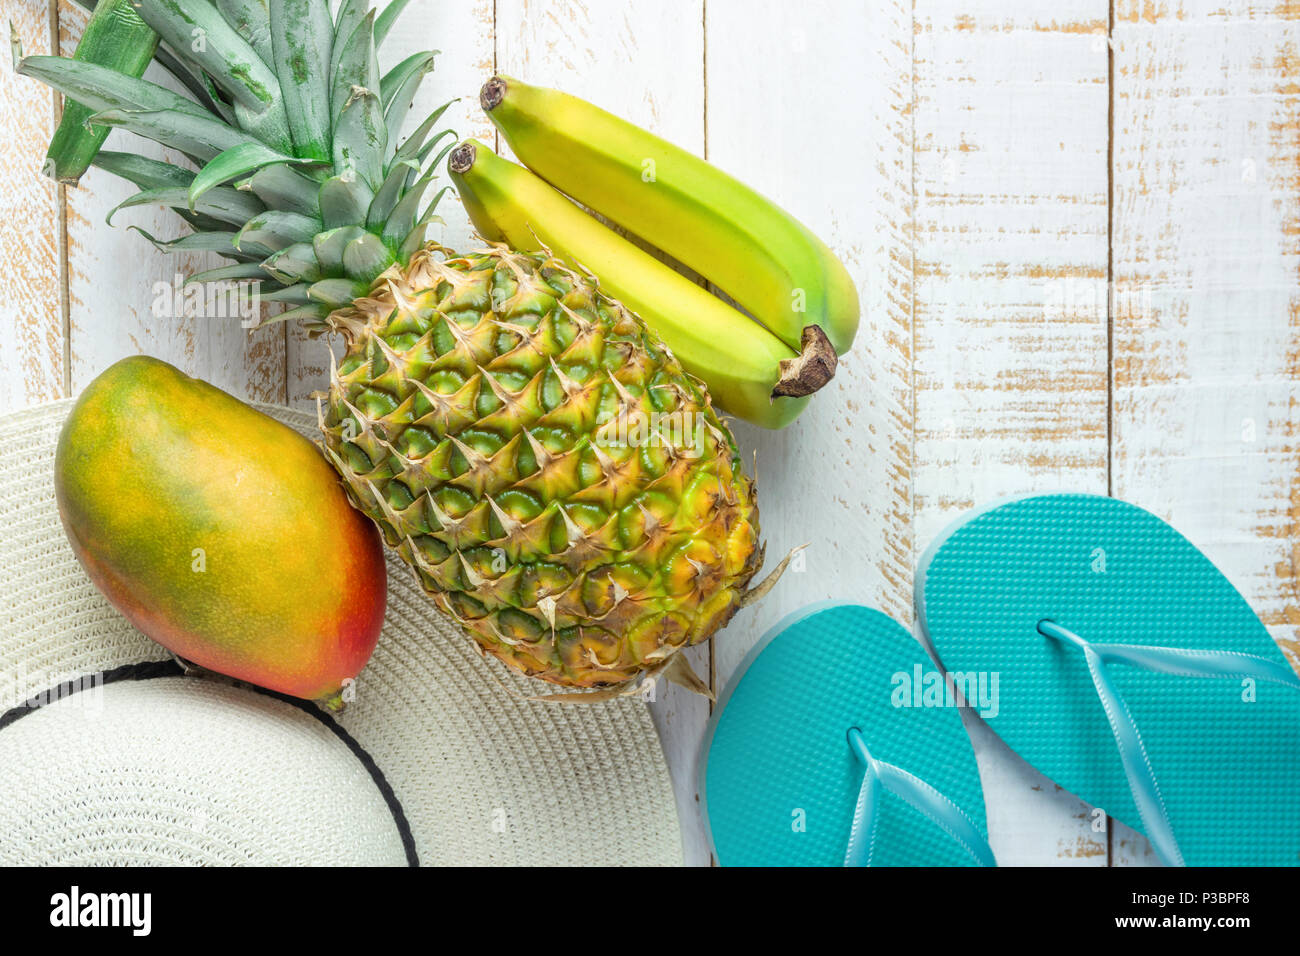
x=1226, y=753
x=778, y=782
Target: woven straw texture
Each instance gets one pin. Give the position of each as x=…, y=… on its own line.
x=229, y=777
x=483, y=776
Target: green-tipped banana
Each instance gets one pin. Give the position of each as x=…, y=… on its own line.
x=741, y=363
x=759, y=254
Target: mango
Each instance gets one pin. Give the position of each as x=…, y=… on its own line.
x=220, y=533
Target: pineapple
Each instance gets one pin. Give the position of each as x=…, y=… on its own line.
x=560, y=486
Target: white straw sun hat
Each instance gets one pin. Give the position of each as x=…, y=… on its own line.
x=113, y=755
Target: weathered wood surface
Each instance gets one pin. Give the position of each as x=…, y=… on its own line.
x=1075, y=227
x=1206, y=253
x=1010, y=319
x=32, y=325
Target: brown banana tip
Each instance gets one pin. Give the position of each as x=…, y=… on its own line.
x=462, y=158
x=493, y=92
x=811, y=369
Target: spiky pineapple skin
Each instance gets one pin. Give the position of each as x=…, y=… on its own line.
x=511, y=430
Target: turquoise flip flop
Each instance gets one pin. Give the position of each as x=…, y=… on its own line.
x=838, y=743
x=1103, y=625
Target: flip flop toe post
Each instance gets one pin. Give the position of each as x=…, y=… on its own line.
x=1129, y=671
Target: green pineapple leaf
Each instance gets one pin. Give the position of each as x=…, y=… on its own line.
x=329, y=246
x=219, y=242
x=101, y=88
x=357, y=67
x=337, y=293
x=251, y=19
x=391, y=81
x=282, y=188
x=222, y=203
x=197, y=83
x=365, y=258
x=303, y=40
x=197, y=27
x=250, y=270
x=360, y=137
x=400, y=84
x=296, y=135
x=197, y=136
x=415, y=238
x=349, y=17
x=116, y=39
x=293, y=294
x=310, y=315
x=143, y=172
x=384, y=22
x=406, y=213
x=294, y=264
x=236, y=162
x=278, y=230
x=417, y=146
x=344, y=200
x=389, y=193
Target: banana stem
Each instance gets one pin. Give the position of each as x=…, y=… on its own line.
x=813, y=368
x=492, y=93
x=462, y=158
x=117, y=38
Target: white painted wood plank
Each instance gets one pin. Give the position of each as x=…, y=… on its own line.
x=463, y=31
x=1010, y=319
x=820, y=121
x=116, y=278
x=31, y=326
x=646, y=64
x=1207, y=269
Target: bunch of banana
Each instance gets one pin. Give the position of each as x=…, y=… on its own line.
x=802, y=304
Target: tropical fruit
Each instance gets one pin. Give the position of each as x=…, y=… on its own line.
x=765, y=259
x=556, y=480
x=219, y=532
x=562, y=489
x=739, y=361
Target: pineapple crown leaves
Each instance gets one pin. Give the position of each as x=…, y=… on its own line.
x=303, y=181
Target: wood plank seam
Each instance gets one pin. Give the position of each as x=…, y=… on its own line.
x=1110, y=298
x=1010, y=385
x=31, y=346
x=61, y=211
x=911, y=233
x=1204, y=225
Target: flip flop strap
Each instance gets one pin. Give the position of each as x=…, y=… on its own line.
x=1128, y=739
x=878, y=777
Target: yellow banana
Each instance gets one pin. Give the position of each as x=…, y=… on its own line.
x=740, y=362
x=756, y=252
